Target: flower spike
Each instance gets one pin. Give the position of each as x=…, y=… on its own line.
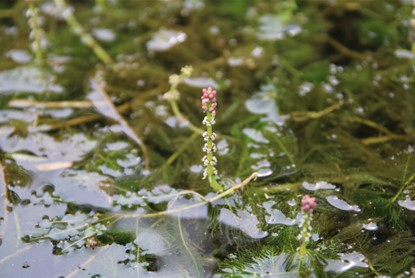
x=308, y=204
x=209, y=104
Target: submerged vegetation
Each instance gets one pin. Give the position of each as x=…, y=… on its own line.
x=100, y=140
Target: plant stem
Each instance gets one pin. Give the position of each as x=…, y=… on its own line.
x=211, y=175
x=85, y=37
x=204, y=202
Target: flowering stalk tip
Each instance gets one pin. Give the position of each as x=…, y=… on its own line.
x=209, y=104
x=37, y=34
x=308, y=204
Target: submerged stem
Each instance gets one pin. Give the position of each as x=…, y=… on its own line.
x=221, y=195
x=80, y=31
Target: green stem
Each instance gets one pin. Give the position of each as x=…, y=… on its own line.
x=210, y=169
x=305, y=230
x=284, y=149
x=36, y=35
x=404, y=185
x=404, y=181
x=85, y=37
x=210, y=145
x=176, y=111
x=221, y=195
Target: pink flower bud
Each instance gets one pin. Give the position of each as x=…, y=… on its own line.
x=308, y=204
x=209, y=100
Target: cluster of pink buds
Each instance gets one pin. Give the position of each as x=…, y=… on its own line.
x=209, y=100
x=209, y=105
x=308, y=204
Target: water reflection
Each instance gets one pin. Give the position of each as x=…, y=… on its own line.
x=27, y=80
x=165, y=39
x=407, y=203
x=346, y=262
x=272, y=27
x=341, y=204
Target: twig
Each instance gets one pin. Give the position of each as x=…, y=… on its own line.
x=405, y=182
x=386, y=138
x=85, y=118
x=108, y=109
x=369, y=123
x=24, y=103
x=189, y=252
x=182, y=148
x=312, y=115
x=209, y=200
x=17, y=252
x=344, y=50
x=282, y=187
x=80, y=31
x=87, y=262
x=182, y=119
x=72, y=122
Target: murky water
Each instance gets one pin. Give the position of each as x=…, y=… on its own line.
x=101, y=159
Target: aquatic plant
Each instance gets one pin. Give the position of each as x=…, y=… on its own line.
x=37, y=35
x=78, y=29
x=209, y=104
x=173, y=95
x=326, y=115
x=307, y=207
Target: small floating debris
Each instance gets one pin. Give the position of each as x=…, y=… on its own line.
x=200, y=82
x=260, y=104
x=27, y=80
x=19, y=56
x=223, y=147
x=243, y=220
x=371, y=226
x=318, y=185
x=262, y=165
x=196, y=168
x=264, y=172
x=404, y=54
x=263, y=102
x=103, y=34
x=340, y=204
x=255, y=135
x=276, y=216
x=272, y=28
x=408, y=204
x=165, y=39
x=235, y=61
x=346, y=262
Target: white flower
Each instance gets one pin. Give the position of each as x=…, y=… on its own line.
x=187, y=71
x=174, y=79
x=171, y=95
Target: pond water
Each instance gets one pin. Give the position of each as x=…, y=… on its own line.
x=101, y=138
